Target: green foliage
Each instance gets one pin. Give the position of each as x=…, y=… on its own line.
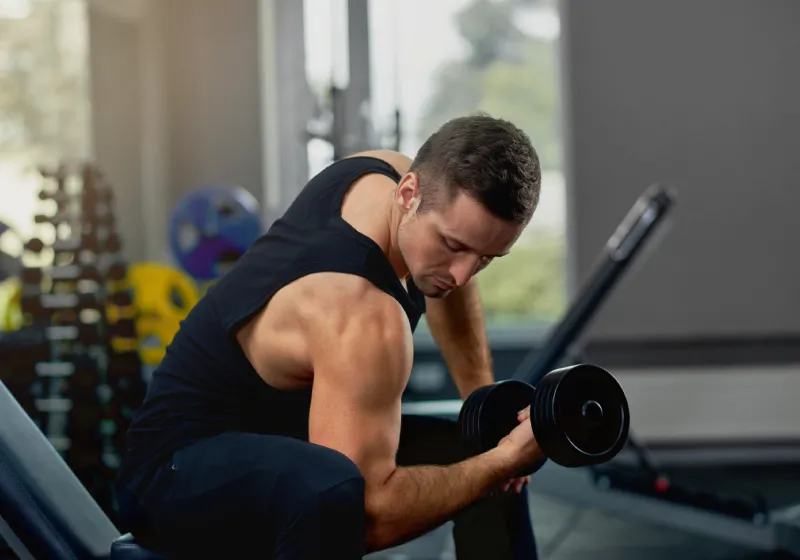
x=525, y=93
x=527, y=284
x=513, y=76
x=506, y=74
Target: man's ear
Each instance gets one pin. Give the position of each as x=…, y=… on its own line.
x=408, y=195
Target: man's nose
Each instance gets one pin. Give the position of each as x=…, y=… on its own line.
x=464, y=268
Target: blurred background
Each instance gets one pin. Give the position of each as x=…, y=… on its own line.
x=144, y=144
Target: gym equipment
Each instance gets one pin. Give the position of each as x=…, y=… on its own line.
x=78, y=306
x=161, y=290
x=10, y=306
x=45, y=510
x=88, y=242
x=10, y=250
x=163, y=297
x=211, y=228
x=644, y=490
x=579, y=415
x=154, y=335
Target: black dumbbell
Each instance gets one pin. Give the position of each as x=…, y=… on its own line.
x=63, y=272
x=34, y=245
x=122, y=364
x=117, y=271
x=579, y=416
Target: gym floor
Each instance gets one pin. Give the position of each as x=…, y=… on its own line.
x=566, y=533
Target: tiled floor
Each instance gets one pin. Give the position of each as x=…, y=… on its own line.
x=566, y=533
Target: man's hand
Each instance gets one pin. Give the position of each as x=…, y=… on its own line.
x=522, y=416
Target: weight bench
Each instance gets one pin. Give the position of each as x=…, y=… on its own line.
x=45, y=511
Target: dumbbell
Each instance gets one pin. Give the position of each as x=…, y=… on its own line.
x=115, y=272
x=123, y=364
x=63, y=272
x=86, y=242
x=37, y=304
x=579, y=416
x=89, y=197
x=102, y=220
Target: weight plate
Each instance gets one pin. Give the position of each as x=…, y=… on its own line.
x=155, y=334
x=10, y=305
x=497, y=415
x=581, y=415
x=211, y=228
x=161, y=290
x=10, y=253
x=465, y=424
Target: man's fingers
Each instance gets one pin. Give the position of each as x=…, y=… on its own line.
x=524, y=414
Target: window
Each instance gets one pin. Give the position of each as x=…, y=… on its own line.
x=44, y=101
x=438, y=60
x=434, y=60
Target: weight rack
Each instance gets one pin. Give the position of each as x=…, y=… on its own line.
x=86, y=373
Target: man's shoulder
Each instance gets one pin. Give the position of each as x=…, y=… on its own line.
x=400, y=162
x=349, y=297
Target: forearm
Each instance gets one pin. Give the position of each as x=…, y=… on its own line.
x=457, y=326
x=415, y=500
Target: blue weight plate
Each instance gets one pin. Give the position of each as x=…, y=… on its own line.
x=211, y=228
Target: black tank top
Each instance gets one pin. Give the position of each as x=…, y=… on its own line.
x=205, y=385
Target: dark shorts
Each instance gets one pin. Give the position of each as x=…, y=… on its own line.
x=241, y=495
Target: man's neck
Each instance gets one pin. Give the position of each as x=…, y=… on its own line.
x=392, y=248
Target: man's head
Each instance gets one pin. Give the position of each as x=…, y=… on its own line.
x=469, y=193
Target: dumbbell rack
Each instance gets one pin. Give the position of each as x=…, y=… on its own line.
x=87, y=372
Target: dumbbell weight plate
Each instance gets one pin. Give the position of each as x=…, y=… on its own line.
x=467, y=423
x=490, y=413
x=497, y=414
x=580, y=415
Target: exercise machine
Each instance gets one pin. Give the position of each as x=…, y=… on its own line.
x=643, y=490
x=45, y=511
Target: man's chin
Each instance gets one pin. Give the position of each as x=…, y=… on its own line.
x=434, y=292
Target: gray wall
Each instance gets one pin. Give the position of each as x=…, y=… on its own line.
x=189, y=93
x=705, y=95
x=116, y=118
x=214, y=93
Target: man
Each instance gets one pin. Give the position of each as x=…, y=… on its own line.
x=273, y=426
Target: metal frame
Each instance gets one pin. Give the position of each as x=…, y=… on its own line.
x=13, y=542
x=779, y=532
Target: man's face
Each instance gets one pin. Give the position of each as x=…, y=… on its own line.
x=445, y=246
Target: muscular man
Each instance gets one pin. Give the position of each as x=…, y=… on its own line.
x=273, y=426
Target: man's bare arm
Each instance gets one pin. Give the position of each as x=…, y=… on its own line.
x=457, y=326
x=362, y=360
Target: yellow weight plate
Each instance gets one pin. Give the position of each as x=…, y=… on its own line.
x=155, y=334
x=10, y=305
x=115, y=313
x=122, y=344
x=162, y=290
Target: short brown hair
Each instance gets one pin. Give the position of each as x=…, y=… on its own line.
x=488, y=159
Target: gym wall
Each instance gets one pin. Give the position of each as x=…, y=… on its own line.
x=704, y=333
x=115, y=70
x=703, y=95
x=185, y=110
x=184, y=95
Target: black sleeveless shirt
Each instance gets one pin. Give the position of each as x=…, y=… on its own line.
x=205, y=385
